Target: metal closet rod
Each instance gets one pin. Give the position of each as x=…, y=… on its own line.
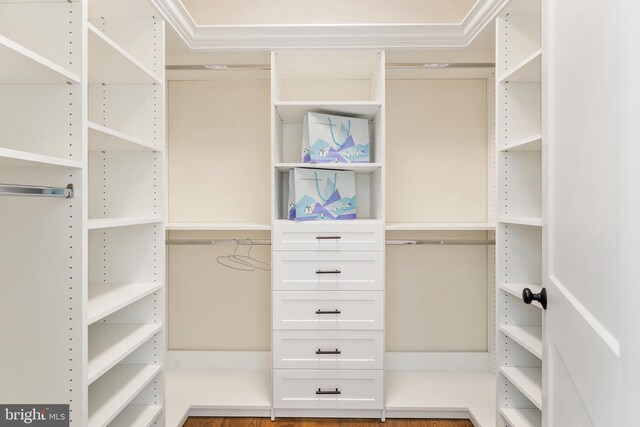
x=36, y=191
x=393, y=242
x=389, y=66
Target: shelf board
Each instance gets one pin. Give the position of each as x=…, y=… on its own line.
x=356, y=167
x=109, y=343
x=443, y=391
x=25, y=160
x=292, y=112
x=529, y=337
x=517, y=417
x=440, y=226
x=230, y=390
x=137, y=416
x=515, y=289
x=528, y=70
x=107, y=298
x=115, y=390
x=328, y=223
x=102, y=138
x=217, y=226
x=533, y=221
x=97, y=223
x=110, y=64
x=530, y=143
x=23, y=66
x=528, y=381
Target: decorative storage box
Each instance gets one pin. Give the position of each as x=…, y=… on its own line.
x=316, y=195
x=334, y=139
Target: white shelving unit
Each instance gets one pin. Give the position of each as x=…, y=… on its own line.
x=124, y=222
x=520, y=154
x=41, y=251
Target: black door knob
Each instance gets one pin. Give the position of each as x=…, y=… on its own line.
x=528, y=297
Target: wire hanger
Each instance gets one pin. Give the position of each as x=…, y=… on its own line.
x=232, y=261
x=255, y=263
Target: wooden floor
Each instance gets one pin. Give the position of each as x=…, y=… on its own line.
x=319, y=422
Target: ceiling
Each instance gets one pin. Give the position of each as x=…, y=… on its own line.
x=434, y=30
x=291, y=12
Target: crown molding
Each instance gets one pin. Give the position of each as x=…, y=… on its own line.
x=401, y=36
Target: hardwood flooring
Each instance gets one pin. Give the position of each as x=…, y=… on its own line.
x=320, y=422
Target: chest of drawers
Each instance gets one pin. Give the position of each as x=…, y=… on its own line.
x=328, y=315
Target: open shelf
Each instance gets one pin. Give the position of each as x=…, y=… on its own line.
x=441, y=391
x=229, y=391
x=517, y=417
x=109, y=343
x=527, y=380
x=529, y=337
x=107, y=298
x=121, y=68
x=440, y=226
x=533, y=222
x=526, y=71
x=115, y=390
x=22, y=159
x=356, y=167
x=530, y=143
x=102, y=138
x=21, y=65
x=293, y=111
x=98, y=223
x=515, y=289
x=217, y=226
x=137, y=416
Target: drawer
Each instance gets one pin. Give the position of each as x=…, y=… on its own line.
x=328, y=270
x=344, y=389
x=328, y=310
x=328, y=236
x=328, y=349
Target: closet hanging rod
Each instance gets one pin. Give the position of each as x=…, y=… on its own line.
x=259, y=242
x=390, y=66
x=36, y=191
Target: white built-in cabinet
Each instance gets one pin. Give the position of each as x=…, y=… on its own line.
x=520, y=154
x=328, y=277
x=82, y=101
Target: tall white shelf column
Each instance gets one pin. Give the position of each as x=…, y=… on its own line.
x=125, y=128
x=520, y=153
x=42, y=86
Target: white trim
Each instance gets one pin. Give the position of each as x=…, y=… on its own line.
x=238, y=37
x=328, y=413
x=218, y=360
x=598, y=328
x=437, y=361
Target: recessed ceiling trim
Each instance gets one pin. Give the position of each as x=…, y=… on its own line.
x=402, y=36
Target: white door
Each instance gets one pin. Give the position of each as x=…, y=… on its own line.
x=592, y=210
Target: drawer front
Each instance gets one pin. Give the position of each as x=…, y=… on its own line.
x=329, y=270
x=328, y=236
x=327, y=389
x=328, y=310
x=328, y=350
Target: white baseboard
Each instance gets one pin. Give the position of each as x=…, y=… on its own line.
x=395, y=361
x=328, y=413
x=442, y=362
x=219, y=360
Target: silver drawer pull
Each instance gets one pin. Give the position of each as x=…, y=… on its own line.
x=328, y=237
x=321, y=391
x=336, y=351
x=328, y=271
x=328, y=312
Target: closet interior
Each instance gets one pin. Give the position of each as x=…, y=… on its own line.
x=431, y=179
